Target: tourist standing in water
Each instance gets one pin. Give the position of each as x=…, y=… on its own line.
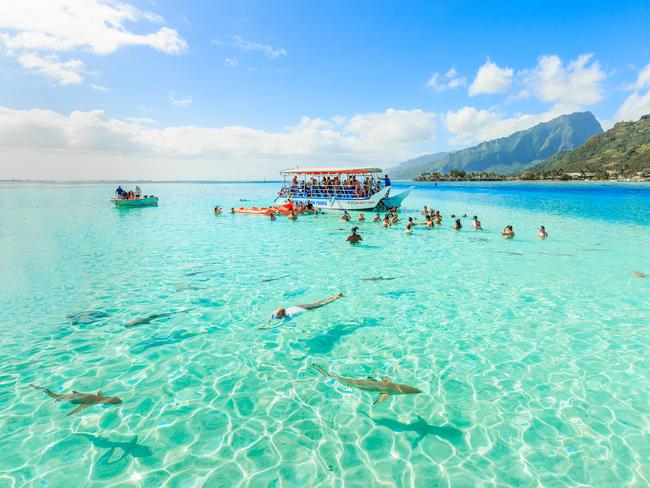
x=377, y=218
x=354, y=237
x=507, y=232
x=458, y=225
x=542, y=232
x=476, y=223
x=362, y=217
x=386, y=222
x=428, y=222
x=345, y=217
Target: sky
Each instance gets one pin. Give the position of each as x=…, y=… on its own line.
x=215, y=90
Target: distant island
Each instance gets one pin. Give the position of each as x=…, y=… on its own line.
x=620, y=154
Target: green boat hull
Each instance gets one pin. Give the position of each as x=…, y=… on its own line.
x=136, y=202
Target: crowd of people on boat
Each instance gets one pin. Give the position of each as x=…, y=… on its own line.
x=129, y=195
x=334, y=186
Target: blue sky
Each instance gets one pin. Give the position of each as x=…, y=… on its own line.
x=239, y=89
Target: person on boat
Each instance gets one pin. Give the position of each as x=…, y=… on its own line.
x=119, y=192
x=507, y=232
x=354, y=237
x=377, y=217
x=345, y=217
x=282, y=313
x=476, y=223
x=138, y=192
x=362, y=217
x=428, y=222
x=386, y=180
x=424, y=211
x=542, y=232
x=458, y=225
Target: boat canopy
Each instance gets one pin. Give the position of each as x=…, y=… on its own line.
x=359, y=170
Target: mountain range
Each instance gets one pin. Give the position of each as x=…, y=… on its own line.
x=624, y=148
x=511, y=154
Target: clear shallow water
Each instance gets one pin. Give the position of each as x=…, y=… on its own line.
x=533, y=356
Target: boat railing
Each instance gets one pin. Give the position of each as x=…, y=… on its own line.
x=326, y=191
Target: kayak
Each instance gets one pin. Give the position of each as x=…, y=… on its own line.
x=254, y=210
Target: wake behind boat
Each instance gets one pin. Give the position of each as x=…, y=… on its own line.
x=133, y=198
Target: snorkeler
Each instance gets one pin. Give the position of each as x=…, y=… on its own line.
x=507, y=232
x=476, y=223
x=282, y=313
x=542, y=232
x=354, y=237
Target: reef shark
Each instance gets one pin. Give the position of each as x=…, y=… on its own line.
x=386, y=388
x=83, y=400
x=155, y=316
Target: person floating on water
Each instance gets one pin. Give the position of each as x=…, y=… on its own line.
x=476, y=223
x=354, y=237
x=282, y=313
x=507, y=232
x=542, y=232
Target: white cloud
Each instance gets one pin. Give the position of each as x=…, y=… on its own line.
x=93, y=25
x=374, y=137
x=469, y=125
x=179, y=102
x=232, y=62
x=638, y=102
x=265, y=49
x=97, y=87
x=490, y=79
x=65, y=73
x=577, y=83
x=450, y=80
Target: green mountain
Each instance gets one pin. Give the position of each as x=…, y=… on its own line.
x=624, y=148
x=414, y=167
x=515, y=152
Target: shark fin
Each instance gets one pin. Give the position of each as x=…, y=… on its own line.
x=382, y=398
x=81, y=407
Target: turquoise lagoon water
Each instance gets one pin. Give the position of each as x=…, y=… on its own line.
x=532, y=356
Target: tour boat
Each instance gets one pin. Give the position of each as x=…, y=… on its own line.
x=300, y=189
x=135, y=202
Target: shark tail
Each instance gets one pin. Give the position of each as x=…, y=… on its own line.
x=320, y=370
x=45, y=390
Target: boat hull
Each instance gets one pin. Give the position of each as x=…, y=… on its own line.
x=136, y=202
x=333, y=203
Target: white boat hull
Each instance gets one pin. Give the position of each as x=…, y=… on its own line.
x=333, y=203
